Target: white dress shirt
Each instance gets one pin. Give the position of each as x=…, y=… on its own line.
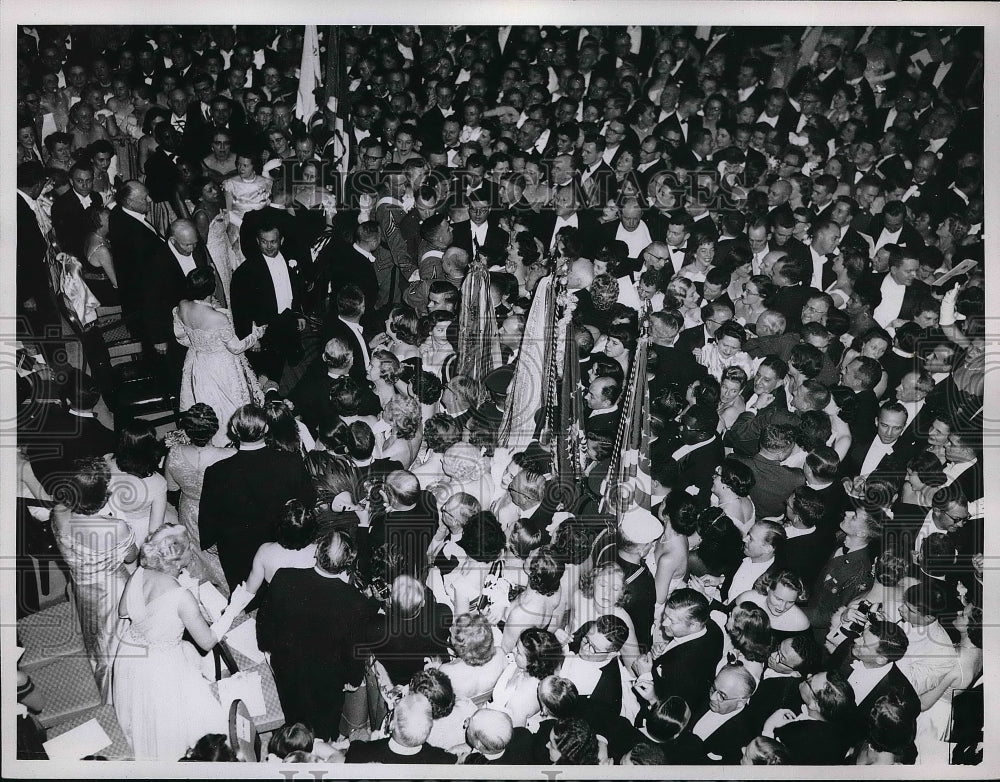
x=887, y=237
x=278, y=270
x=876, y=452
x=864, y=679
x=186, y=262
x=746, y=574
x=561, y=222
x=816, y=281
x=892, y=302
x=711, y=721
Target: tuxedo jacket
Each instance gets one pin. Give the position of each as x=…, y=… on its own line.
x=586, y=222
x=789, y=302
x=241, y=500
x=253, y=296
x=293, y=243
x=809, y=75
x=70, y=222
x=698, y=466
x=60, y=440
x=893, y=463
x=728, y=740
x=162, y=288
x=953, y=83
x=338, y=328
x=339, y=264
x=496, y=237
x=773, y=693
x=893, y=681
x=814, y=743
x=893, y=167
x=691, y=339
x=134, y=244
x=673, y=365
x=688, y=670
x=909, y=237
x=599, y=187
x=806, y=554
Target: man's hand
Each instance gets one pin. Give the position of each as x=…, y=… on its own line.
x=30, y=305
x=643, y=664
x=764, y=399
x=161, y=348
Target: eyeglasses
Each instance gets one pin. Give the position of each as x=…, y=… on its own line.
x=808, y=683
x=587, y=640
x=957, y=519
x=374, y=157
x=722, y=696
x=650, y=256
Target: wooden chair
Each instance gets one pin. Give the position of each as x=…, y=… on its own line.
x=243, y=736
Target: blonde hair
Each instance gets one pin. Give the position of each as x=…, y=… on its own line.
x=167, y=550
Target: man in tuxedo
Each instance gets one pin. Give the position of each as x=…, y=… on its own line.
x=478, y=231
x=602, y=400
x=344, y=322
x=163, y=285
x=686, y=666
x=265, y=290
x=597, y=178
x=869, y=663
x=293, y=246
x=702, y=449
x=135, y=241
x=409, y=729
x=713, y=315
x=69, y=210
x=859, y=377
x=243, y=496
x=38, y=316
x=338, y=266
x=672, y=364
x=790, y=660
x=763, y=548
x=312, y=621
x=595, y=665
x=566, y=211
x=826, y=77
x=884, y=452
x=311, y=395
x=720, y=721
x=791, y=276
x=900, y=289
x=890, y=227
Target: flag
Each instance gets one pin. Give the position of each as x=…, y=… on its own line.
x=309, y=75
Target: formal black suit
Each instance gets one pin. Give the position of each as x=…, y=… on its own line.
x=893, y=463
x=339, y=264
x=772, y=693
x=134, y=242
x=600, y=186
x=673, y=365
x=254, y=302
x=953, y=82
x=814, y=743
x=789, y=302
x=36, y=309
x=691, y=339
x=698, y=466
x=293, y=243
x=70, y=221
x=688, y=670
x=241, y=501
x=725, y=744
x=894, y=680
x=806, y=554
x=586, y=222
x=313, y=626
x=496, y=237
x=379, y=752
x=909, y=237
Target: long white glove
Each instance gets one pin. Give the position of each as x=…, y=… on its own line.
x=238, y=601
x=947, y=317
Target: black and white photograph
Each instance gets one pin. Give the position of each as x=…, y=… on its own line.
x=408, y=391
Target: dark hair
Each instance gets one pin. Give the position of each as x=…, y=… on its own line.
x=543, y=651
x=559, y=696
x=545, y=571
x=296, y=526
x=138, y=451
x=695, y=603
x=482, y=537
x=751, y=634
x=212, y=748
x=200, y=283
x=737, y=476
x=576, y=742
x=668, y=719
x=85, y=490
x=248, y=424
x=282, y=429
x=891, y=726
x=435, y=685
x=199, y=422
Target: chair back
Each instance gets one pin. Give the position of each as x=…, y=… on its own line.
x=242, y=734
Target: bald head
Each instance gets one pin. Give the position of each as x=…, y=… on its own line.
x=455, y=262
x=779, y=193
x=489, y=731
x=732, y=686
x=771, y=323
x=183, y=236
x=581, y=274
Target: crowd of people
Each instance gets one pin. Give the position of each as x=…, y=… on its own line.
x=778, y=231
